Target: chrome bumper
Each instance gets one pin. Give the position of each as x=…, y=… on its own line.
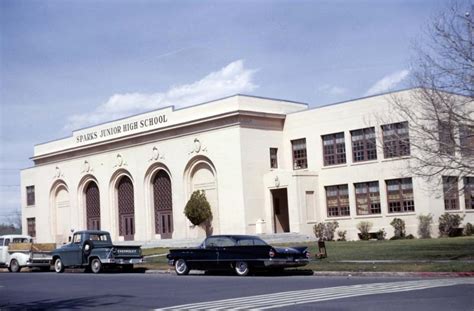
x=122, y=261
x=277, y=262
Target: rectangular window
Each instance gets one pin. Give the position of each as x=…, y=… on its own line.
x=396, y=141
x=337, y=200
x=466, y=140
x=451, y=193
x=334, y=149
x=400, y=195
x=310, y=210
x=30, y=195
x=446, y=138
x=469, y=192
x=299, y=154
x=273, y=157
x=31, y=223
x=364, y=147
x=367, y=198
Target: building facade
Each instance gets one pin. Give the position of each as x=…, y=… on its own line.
x=266, y=166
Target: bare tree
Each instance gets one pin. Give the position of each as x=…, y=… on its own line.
x=440, y=108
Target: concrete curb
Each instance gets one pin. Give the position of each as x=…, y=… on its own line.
x=360, y=274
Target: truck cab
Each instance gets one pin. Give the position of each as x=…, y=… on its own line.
x=18, y=251
x=5, y=240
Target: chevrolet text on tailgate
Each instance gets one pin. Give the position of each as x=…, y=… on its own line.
x=93, y=250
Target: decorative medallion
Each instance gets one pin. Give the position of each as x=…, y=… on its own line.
x=86, y=167
x=119, y=161
x=58, y=173
x=197, y=147
x=156, y=155
x=277, y=181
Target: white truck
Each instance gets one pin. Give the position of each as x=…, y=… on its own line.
x=18, y=251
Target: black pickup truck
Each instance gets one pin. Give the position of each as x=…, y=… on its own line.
x=93, y=250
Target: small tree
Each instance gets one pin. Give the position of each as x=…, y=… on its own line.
x=448, y=224
x=399, y=228
x=198, y=211
x=468, y=229
x=424, y=226
x=364, y=228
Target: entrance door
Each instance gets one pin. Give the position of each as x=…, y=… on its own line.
x=163, y=205
x=281, y=220
x=128, y=229
x=126, y=208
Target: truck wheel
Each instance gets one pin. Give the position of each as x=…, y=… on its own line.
x=96, y=265
x=58, y=266
x=181, y=267
x=14, y=266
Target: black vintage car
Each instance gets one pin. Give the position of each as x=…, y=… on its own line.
x=241, y=253
x=93, y=250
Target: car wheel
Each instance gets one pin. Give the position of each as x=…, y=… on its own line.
x=58, y=266
x=96, y=265
x=14, y=266
x=241, y=268
x=181, y=267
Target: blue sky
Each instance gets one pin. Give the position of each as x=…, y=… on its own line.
x=69, y=64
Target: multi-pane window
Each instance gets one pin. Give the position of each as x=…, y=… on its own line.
x=31, y=225
x=446, y=138
x=30, y=195
x=334, y=149
x=300, y=160
x=451, y=193
x=469, y=192
x=400, y=195
x=466, y=139
x=367, y=198
x=337, y=200
x=364, y=147
x=396, y=141
x=273, y=157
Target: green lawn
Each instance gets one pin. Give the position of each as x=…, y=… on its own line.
x=453, y=249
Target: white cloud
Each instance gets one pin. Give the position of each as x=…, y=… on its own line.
x=331, y=89
x=388, y=82
x=233, y=78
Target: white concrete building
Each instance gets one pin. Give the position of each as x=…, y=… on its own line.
x=266, y=166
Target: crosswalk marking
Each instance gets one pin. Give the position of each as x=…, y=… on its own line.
x=283, y=299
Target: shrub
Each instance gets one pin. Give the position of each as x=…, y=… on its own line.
x=364, y=228
x=468, y=229
x=381, y=234
x=424, y=226
x=318, y=230
x=198, y=210
x=448, y=224
x=342, y=235
x=325, y=231
x=399, y=228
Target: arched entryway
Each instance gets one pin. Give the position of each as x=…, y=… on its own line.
x=92, y=199
x=201, y=175
x=126, y=208
x=163, y=204
x=61, y=209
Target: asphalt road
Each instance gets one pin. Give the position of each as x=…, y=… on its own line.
x=136, y=291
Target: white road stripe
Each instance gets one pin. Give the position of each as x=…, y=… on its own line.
x=278, y=300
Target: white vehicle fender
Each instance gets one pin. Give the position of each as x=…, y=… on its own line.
x=21, y=258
